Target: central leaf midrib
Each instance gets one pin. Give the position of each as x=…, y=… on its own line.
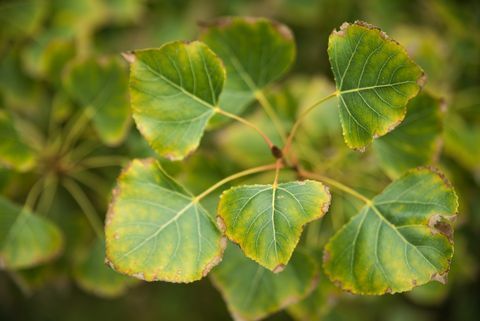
x=176, y=86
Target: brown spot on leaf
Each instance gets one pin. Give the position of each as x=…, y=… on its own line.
x=439, y=224
x=341, y=31
x=326, y=256
x=217, y=259
x=442, y=278
x=388, y=290
x=221, y=224
x=279, y=268
x=422, y=80
x=129, y=56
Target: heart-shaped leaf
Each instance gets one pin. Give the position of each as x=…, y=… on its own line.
x=95, y=277
x=26, y=239
x=401, y=239
x=416, y=141
x=14, y=152
x=256, y=51
x=267, y=220
x=174, y=92
x=102, y=85
x=375, y=79
x=253, y=292
x=156, y=230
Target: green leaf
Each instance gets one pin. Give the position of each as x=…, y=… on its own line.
x=26, y=239
x=322, y=299
x=267, y=221
x=416, y=141
x=253, y=292
x=375, y=79
x=461, y=142
x=101, y=86
x=21, y=18
x=174, y=92
x=156, y=230
x=255, y=51
x=14, y=152
x=95, y=277
x=401, y=239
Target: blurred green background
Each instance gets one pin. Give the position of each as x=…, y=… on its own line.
x=39, y=40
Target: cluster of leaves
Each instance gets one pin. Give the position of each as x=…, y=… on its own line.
x=158, y=230
x=65, y=129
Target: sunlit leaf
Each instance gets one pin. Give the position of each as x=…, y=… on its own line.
x=174, y=92
x=253, y=292
x=14, y=152
x=416, y=141
x=156, y=230
x=255, y=51
x=101, y=86
x=375, y=79
x=95, y=277
x=400, y=240
x=26, y=239
x=267, y=221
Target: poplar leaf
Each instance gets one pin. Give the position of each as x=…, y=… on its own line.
x=375, y=79
x=156, y=230
x=402, y=239
x=267, y=221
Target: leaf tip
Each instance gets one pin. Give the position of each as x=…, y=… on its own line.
x=129, y=56
x=279, y=268
x=442, y=278
x=422, y=80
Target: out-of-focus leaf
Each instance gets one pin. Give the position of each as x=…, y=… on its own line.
x=375, y=79
x=253, y=292
x=48, y=54
x=244, y=146
x=462, y=141
x=14, y=152
x=403, y=238
x=156, y=230
x=267, y=220
x=124, y=11
x=174, y=92
x=101, y=86
x=95, y=277
x=25, y=238
x=318, y=303
x=21, y=18
x=416, y=141
x=255, y=51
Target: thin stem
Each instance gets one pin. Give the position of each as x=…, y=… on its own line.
x=250, y=171
x=48, y=194
x=33, y=195
x=334, y=183
x=87, y=207
x=76, y=129
x=302, y=117
x=246, y=122
x=101, y=161
x=277, y=123
x=278, y=165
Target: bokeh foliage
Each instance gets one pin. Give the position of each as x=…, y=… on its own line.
x=69, y=149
